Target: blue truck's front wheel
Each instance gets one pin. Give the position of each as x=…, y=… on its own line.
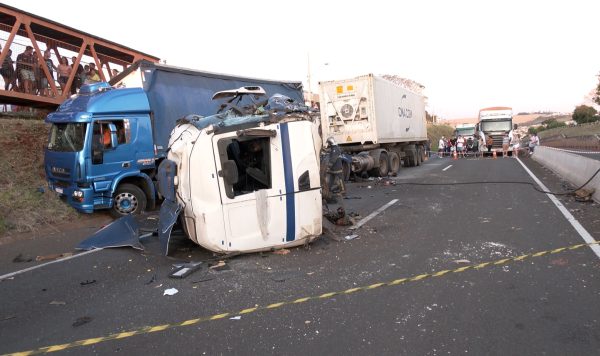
x=128, y=199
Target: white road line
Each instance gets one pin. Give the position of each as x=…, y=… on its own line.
x=443, y=170
x=576, y=225
x=373, y=214
x=8, y=275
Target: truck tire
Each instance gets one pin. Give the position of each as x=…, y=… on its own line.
x=384, y=166
x=394, y=163
x=419, y=157
x=411, y=158
x=128, y=199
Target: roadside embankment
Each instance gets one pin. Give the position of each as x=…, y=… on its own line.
x=572, y=167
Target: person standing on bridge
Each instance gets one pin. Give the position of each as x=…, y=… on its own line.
x=8, y=72
x=64, y=71
x=51, y=69
x=25, y=63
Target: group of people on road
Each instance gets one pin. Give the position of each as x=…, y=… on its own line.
x=483, y=143
x=458, y=144
x=28, y=75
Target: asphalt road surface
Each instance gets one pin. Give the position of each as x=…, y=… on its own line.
x=446, y=269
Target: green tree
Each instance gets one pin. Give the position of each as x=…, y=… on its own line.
x=532, y=130
x=584, y=113
x=553, y=123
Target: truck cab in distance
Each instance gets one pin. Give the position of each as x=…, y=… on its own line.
x=495, y=122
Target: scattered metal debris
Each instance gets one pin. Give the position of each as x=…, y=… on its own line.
x=87, y=282
x=183, y=270
x=120, y=233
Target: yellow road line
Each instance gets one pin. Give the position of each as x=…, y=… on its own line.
x=157, y=328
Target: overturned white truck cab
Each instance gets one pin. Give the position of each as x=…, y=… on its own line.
x=244, y=183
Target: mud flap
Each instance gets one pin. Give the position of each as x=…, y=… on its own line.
x=123, y=232
x=169, y=211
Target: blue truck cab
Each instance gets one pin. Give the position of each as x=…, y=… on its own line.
x=100, y=152
x=106, y=142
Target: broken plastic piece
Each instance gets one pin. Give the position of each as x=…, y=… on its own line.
x=120, y=233
x=170, y=291
x=169, y=211
x=350, y=237
x=237, y=317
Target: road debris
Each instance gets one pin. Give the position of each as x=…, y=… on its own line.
x=82, y=320
x=87, y=282
x=183, y=270
x=461, y=261
x=20, y=259
x=57, y=302
x=237, y=317
x=54, y=256
x=339, y=217
x=282, y=251
x=220, y=266
x=151, y=280
x=123, y=232
x=204, y=279
x=350, y=237
x=170, y=291
x=584, y=195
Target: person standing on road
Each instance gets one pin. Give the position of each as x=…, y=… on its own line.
x=460, y=146
x=533, y=141
x=505, y=144
x=489, y=142
x=441, y=145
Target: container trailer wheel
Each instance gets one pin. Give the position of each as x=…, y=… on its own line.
x=394, y=163
x=384, y=166
x=128, y=199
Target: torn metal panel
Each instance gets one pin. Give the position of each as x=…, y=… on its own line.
x=123, y=232
x=169, y=211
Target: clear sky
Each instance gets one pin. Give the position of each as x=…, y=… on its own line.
x=528, y=54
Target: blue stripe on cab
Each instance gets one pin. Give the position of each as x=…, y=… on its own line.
x=290, y=204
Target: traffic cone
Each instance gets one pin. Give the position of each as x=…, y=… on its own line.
x=494, y=155
x=454, y=155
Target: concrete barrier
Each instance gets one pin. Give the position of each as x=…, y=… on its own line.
x=574, y=168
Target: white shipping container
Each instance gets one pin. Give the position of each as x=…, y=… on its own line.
x=371, y=109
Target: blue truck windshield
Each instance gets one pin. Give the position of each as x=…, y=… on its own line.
x=67, y=137
x=489, y=126
x=466, y=132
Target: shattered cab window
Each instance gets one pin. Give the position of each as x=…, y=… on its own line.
x=253, y=162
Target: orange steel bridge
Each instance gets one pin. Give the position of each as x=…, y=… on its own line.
x=19, y=29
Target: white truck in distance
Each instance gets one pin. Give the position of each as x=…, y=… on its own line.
x=495, y=122
x=376, y=121
x=465, y=130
